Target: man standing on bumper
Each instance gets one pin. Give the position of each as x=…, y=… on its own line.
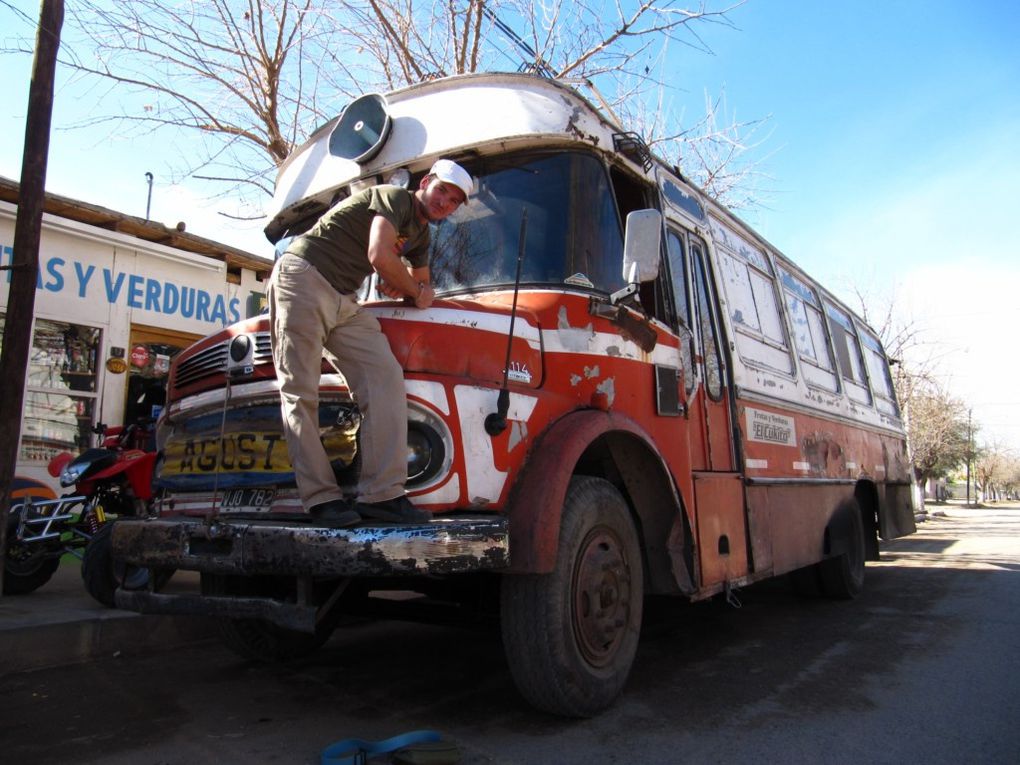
x=313, y=306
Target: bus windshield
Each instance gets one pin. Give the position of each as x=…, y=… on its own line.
x=573, y=234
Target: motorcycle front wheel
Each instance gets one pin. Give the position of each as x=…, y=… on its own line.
x=26, y=567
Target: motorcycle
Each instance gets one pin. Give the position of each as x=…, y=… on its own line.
x=110, y=481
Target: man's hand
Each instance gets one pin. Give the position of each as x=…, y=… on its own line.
x=389, y=290
x=425, y=295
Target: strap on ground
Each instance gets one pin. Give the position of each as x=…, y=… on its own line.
x=355, y=751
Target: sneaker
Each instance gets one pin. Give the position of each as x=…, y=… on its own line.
x=396, y=510
x=335, y=513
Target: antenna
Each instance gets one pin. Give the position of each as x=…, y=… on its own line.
x=362, y=130
x=495, y=422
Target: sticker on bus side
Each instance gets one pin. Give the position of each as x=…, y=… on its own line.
x=770, y=428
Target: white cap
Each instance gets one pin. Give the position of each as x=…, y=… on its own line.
x=450, y=172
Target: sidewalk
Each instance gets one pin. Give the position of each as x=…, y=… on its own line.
x=60, y=624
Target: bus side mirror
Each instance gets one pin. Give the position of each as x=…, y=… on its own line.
x=641, y=244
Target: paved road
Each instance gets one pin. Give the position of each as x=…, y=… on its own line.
x=921, y=669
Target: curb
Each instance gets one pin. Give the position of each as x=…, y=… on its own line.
x=54, y=645
x=61, y=624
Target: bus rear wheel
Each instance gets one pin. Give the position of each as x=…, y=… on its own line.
x=570, y=636
x=842, y=576
x=258, y=640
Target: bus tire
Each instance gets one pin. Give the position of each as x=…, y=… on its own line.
x=257, y=639
x=26, y=567
x=570, y=636
x=842, y=576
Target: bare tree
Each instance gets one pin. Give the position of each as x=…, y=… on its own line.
x=617, y=54
x=938, y=432
x=255, y=77
x=716, y=150
x=996, y=472
x=1011, y=479
x=245, y=76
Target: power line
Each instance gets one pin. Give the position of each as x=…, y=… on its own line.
x=533, y=61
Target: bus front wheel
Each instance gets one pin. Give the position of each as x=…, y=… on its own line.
x=571, y=635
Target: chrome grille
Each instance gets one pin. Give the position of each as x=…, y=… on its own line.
x=213, y=360
x=263, y=348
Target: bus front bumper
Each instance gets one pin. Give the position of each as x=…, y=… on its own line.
x=445, y=545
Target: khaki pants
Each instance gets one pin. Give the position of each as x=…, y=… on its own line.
x=306, y=315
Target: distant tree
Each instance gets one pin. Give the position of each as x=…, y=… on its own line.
x=1011, y=476
x=939, y=433
x=996, y=472
x=254, y=78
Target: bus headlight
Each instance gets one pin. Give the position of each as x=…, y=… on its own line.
x=426, y=453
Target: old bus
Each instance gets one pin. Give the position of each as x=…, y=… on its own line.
x=621, y=390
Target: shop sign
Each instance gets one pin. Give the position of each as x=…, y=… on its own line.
x=139, y=356
x=116, y=365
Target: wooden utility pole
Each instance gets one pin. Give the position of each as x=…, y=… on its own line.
x=17, y=337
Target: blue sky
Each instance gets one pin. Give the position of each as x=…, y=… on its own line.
x=894, y=163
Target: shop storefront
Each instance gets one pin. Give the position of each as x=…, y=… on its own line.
x=112, y=308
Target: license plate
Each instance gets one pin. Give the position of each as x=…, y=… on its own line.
x=247, y=500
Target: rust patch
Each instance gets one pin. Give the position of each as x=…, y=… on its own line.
x=824, y=454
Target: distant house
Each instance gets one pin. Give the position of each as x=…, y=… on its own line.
x=116, y=298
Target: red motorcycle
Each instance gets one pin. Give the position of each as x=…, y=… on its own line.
x=110, y=481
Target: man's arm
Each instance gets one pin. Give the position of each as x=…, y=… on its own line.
x=418, y=274
x=382, y=254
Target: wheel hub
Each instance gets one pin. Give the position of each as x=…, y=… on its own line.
x=601, y=602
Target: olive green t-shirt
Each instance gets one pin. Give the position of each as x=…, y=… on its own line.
x=337, y=245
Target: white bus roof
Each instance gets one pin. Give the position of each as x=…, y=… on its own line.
x=449, y=116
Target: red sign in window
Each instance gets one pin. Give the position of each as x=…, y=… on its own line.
x=139, y=356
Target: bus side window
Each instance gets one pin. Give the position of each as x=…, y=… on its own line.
x=706, y=326
x=809, y=335
x=678, y=269
x=748, y=282
x=878, y=370
x=633, y=195
x=848, y=352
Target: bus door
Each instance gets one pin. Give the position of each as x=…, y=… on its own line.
x=718, y=490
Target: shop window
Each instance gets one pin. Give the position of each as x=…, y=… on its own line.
x=60, y=392
x=151, y=351
x=150, y=366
